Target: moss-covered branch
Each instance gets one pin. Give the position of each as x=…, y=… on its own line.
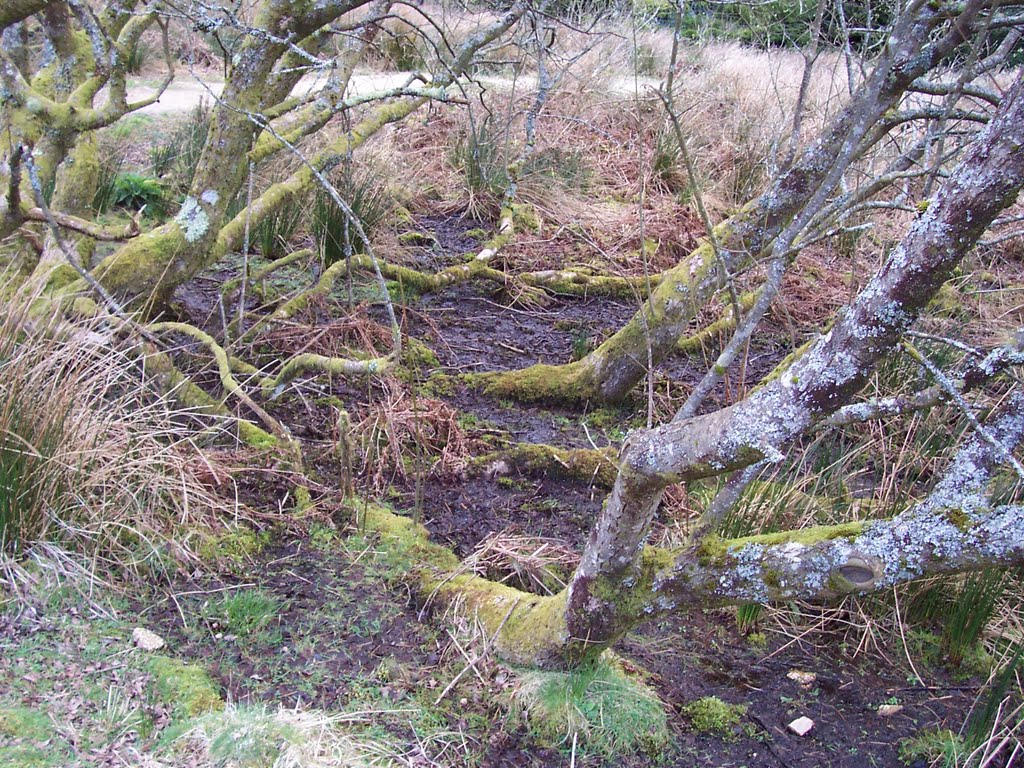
x=168, y=379
x=232, y=285
x=597, y=466
x=526, y=628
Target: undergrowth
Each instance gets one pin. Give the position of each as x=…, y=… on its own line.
x=88, y=458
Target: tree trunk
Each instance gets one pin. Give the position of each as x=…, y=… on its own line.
x=620, y=582
x=610, y=371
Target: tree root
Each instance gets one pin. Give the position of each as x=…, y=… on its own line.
x=261, y=274
x=232, y=387
x=596, y=466
x=337, y=365
x=572, y=282
x=526, y=629
x=569, y=384
x=159, y=366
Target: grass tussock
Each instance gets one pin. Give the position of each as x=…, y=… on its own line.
x=598, y=708
x=88, y=458
x=258, y=737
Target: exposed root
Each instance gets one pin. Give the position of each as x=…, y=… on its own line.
x=569, y=282
x=598, y=467
x=526, y=629
x=338, y=366
x=572, y=383
x=232, y=387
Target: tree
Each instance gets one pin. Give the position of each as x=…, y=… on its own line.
x=50, y=116
x=620, y=582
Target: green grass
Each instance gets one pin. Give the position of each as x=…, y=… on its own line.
x=970, y=612
x=274, y=234
x=363, y=189
x=248, y=611
x=599, y=706
x=936, y=746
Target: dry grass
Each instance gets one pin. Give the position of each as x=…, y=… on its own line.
x=336, y=338
x=534, y=563
x=90, y=459
x=401, y=435
x=241, y=736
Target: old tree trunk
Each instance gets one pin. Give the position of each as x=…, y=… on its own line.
x=51, y=114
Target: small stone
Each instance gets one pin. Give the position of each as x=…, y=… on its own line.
x=888, y=710
x=146, y=640
x=799, y=676
x=801, y=726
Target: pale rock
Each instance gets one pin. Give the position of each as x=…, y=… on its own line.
x=146, y=640
x=801, y=726
x=888, y=710
x=799, y=676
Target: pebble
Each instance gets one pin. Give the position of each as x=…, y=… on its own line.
x=801, y=726
x=799, y=676
x=147, y=640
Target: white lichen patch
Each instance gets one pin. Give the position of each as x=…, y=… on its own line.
x=192, y=219
x=210, y=197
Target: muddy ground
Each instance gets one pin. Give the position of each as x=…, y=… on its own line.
x=347, y=629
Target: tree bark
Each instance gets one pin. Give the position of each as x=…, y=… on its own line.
x=610, y=371
x=620, y=582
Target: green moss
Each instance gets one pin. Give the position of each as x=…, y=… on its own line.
x=525, y=217
x=633, y=603
x=786, y=363
x=417, y=238
x=25, y=723
x=567, y=384
x=255, y=437
x=714, y=550
x=439, y=384
x=476, y=234
x=947, y=302
x=712, y=715
x=322, y=538
x=531, y=627
x=419, y=356
x=806, y=536
x=403, y=216
x=959, y=518
x=757, y=640
x=236, y=546
x=186, y=688
x=598, y=466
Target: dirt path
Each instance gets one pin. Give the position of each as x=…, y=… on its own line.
x=187, y=90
